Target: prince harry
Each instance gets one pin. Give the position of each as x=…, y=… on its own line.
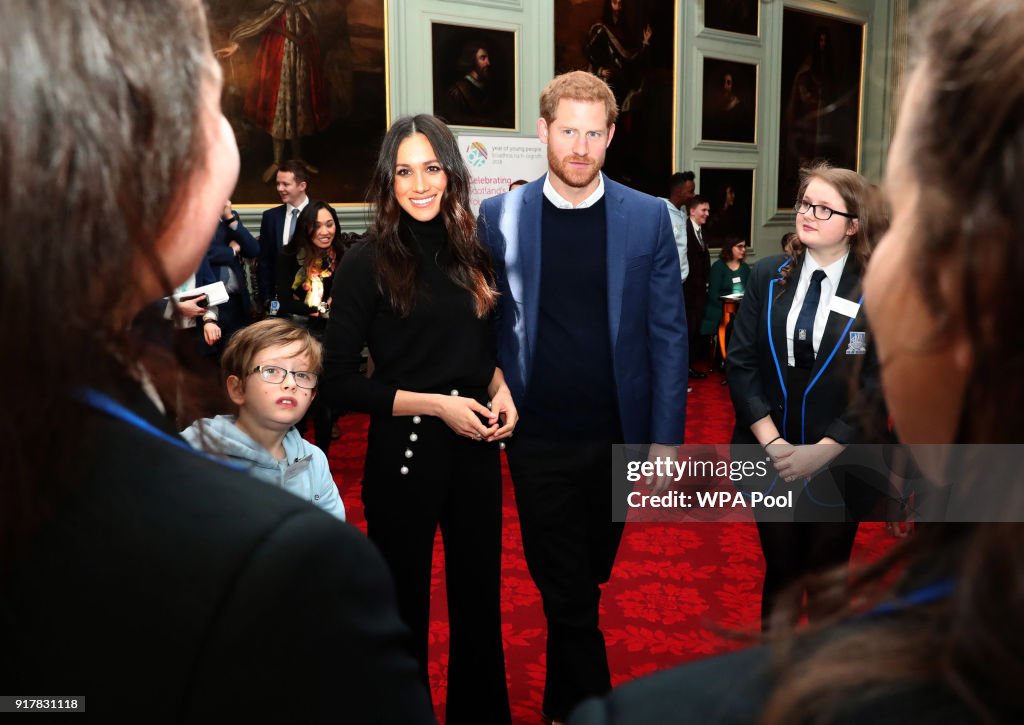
x=592, y=339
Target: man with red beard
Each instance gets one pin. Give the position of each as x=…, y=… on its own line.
x=592, y=339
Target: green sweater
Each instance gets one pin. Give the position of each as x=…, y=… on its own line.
x=720, y=282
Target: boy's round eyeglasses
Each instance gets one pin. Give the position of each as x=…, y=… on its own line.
x=821, y=213
x=276, y=375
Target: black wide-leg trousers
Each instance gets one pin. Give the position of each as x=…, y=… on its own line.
x=420, y=476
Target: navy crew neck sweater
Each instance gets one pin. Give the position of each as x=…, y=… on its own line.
x=571, y=391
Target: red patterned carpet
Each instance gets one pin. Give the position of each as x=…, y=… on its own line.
x=676, y=592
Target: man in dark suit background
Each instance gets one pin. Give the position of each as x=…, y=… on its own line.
x=592, y=342
x=278, y=224
x=695, y=288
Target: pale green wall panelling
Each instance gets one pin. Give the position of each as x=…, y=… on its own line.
x=766, y=51
x=410, y=49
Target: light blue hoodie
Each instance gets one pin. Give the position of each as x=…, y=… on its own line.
x=304, y=472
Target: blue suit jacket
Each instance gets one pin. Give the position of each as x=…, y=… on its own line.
x=646, y=319
x=205, y=274
x=271, y=233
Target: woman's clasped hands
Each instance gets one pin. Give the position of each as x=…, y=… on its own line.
x=472, y=419
x=794, y=462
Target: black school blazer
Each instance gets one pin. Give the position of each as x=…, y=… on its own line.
x=757, y=359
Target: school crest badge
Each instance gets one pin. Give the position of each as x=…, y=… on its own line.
x=858, y=343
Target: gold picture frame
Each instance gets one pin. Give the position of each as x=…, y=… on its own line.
x=329, y=107
x=821, y=96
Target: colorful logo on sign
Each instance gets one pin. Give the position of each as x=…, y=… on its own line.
x=476, y=154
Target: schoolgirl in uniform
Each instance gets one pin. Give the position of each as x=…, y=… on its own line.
x=797, y=339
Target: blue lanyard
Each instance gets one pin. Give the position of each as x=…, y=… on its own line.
x=926, y=595
x=105, y=404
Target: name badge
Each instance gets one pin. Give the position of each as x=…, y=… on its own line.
x=735, y=280
x=298, y=467
x=844, y=307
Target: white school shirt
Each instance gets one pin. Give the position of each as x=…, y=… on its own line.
x=829, y=285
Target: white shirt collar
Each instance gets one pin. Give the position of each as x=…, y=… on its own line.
x=833, y=271
x=829, y=285
x=562, y=203
x=288, y=211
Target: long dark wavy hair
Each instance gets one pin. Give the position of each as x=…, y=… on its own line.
x=967, y=124
x=468, y=263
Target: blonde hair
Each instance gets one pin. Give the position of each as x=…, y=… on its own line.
x=577, y=85
x=248, y=342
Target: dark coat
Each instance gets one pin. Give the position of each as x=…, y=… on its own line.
x=757, y=359
x=696, y=285
x=733, y=689
x=271, y=234
x=169, y=584
x=222, y=257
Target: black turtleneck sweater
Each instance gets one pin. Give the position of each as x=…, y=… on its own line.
x=439, y=347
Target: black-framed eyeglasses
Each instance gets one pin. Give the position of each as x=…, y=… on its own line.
x=276, y=374
x=820, y=211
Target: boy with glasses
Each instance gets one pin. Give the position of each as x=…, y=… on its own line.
x=271, y=371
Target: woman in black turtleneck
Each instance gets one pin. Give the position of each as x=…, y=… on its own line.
x=420, y=293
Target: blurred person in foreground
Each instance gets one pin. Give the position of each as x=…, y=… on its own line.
x=134, y=571
x=932, y=631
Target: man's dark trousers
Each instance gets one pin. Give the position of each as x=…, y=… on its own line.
x=564, y=496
